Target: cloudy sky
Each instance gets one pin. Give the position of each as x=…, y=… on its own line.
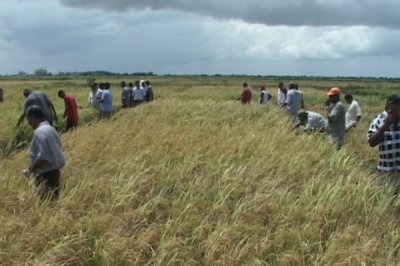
x=253, y=37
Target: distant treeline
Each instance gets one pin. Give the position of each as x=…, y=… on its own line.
x=42, y=73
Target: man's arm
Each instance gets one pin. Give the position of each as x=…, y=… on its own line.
x=35, y=165
x=21, y=118
x=332, y=114
x=374, y=139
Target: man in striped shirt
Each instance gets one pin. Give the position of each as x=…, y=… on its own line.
x=385, y=132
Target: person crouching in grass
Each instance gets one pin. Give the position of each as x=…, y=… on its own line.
x=47, y=157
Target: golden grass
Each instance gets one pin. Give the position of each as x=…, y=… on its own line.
x=195, y=180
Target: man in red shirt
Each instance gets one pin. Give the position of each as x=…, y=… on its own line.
x=71, y=110
x=246, y=96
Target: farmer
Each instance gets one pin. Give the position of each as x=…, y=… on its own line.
x=311, y=121
x=47, y=156
x=294, y=100
x=264, y=95
x=125, y=95
x=385, y=132
x=38, y=98
x=245, y=97
x=282, y=92
x=353, y=114
x=70, y=110
x=106, y=102
x=336, y=117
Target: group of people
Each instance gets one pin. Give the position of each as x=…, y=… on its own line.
x=247, y=96
x=384, y=131
x=47, y=157
x=46, y=153
x=337, y=120
x=101, y=96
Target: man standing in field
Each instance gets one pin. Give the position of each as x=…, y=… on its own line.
x=246, y=95
x=92, y=101
x=106, y=102
x=385, y=132
x=138, y=94
x=353, y=114
x=336, y=114
x=125, y=95
x=282, y=92
x=39, y=98
x=294, y=100
x=47, y=156
x=150, y=93
x=71, y=110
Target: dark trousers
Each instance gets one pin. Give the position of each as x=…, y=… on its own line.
x=49, y=184
x=70, y=125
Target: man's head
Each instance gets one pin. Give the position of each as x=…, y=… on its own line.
x=334, y=94
x=393, y=106
x=280, y=85
x=244, y=84
x=35, y=116
x=302, y=117
x=348, y=98
x=27, y=92
x=292, y=86
x=61, y=94
x=123, y=84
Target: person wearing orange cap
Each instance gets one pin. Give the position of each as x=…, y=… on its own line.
x=336, y=115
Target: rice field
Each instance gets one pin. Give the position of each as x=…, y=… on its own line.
x=195, y=178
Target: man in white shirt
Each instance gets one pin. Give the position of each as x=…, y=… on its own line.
x=138, y=94
x=143, y=86
x=282, y=92
x=353, y=114
x=311, y=121
x=294, y=100
x=47, y=157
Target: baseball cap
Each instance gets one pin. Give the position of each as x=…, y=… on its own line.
x=333, y=91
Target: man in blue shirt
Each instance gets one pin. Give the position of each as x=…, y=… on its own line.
x=106, y=102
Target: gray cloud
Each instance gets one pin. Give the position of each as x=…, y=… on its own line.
x=191, y=38
x=373, y=13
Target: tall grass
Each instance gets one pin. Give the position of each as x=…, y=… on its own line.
x=197, y=180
